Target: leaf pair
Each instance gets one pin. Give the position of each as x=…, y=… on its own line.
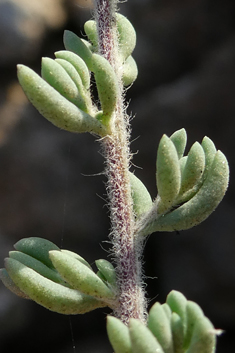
x=59, y=280
x=189, y=187
x=178, y=326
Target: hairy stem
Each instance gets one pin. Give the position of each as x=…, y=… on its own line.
x=131, y=302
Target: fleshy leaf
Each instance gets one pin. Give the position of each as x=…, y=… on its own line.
x=118, y=334
x=80, y=277
x=142, y=201
x=179, y=138
x=54, y=107
x=168, y=174
x=159, y=324
x=142, y=339
x=130, y=71
x=49, y=294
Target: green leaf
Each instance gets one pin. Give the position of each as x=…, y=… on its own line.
x=91, y=32
x=130, y=71
x=49, y=294
x=76, y=45
x=37, y=266
x=193, y=314
x=80, y=277
x=54, y=107
x=38, y=248
x=142, y=201
x=203, y=338
x=127, y=36
x=58, y=78
x=159, y=324
x=78, y=64
x=179, y=138
x=142, y=339
x=192, y=173
x=200, y=206
x=168, y=174
x=107, y=86
x=177, y=302
x=107, y=270
x=9, y=284
x=118, y=334
x=177, y=328
x=76, y=256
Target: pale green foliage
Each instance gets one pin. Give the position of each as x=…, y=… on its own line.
x=178, y=326
x=189, y=189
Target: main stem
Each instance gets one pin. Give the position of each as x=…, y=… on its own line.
x=131, y=299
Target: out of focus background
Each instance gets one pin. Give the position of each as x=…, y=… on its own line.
x=49, y=185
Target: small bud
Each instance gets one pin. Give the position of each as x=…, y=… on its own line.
x=118, y=334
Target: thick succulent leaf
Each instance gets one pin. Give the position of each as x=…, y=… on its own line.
x=76, y=256
x=38, y=248
x=142, y=201
x=107, y=270
x=193, y=314
x=9, y=284
x=130, y=71
x=142, y=339
x=78, y=64
x=54, y=107
x=49, y=294
x=168, y=174
x=200, y=206
x=76, y=45
x=191, y=173
x=179, y=138
x=203, y=338
x=118, y=334
x=159, y=324
x=37, y=266
x=107, y=86
x=177, y=302
x=91, y=32
x=127, y=36
x=80, y=277
x=177, y=328
x=58, y=78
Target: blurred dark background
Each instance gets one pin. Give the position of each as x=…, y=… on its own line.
x=186, y=58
